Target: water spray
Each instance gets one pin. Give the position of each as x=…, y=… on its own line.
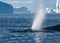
x=40, y=15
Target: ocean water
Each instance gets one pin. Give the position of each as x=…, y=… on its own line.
x=24, y=21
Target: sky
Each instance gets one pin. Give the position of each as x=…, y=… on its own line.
x=30, y=4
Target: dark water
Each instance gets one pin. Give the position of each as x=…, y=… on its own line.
x=21, y=22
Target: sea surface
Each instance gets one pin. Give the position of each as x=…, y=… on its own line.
x=24, y=21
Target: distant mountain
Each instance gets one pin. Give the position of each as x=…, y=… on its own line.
x=22, y=9
x=5, y=8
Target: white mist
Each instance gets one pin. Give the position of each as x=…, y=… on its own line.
x=40, y=15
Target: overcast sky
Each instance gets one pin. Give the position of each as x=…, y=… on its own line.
x=31, y=4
